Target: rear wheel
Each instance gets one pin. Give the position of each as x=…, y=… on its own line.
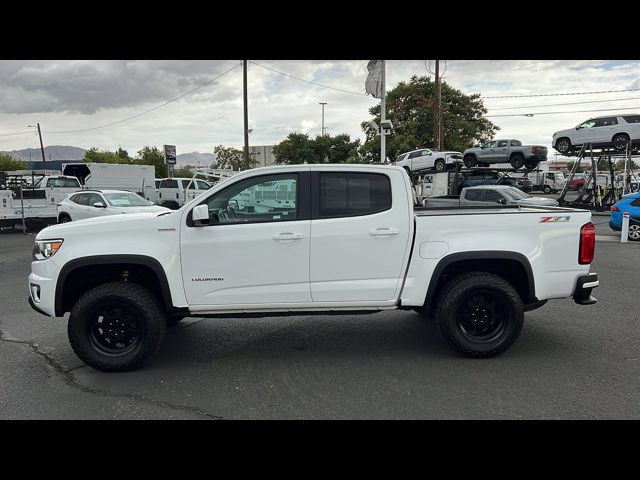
x=480, y=314
x=439, y=165
x=546, y=189
x=64, y=218
x=116, y=326
x=470, y=161
x=517, y=161
x=530, y=164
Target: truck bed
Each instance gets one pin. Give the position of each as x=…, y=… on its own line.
x=477, y=210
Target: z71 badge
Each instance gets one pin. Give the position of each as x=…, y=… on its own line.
x=564, y=218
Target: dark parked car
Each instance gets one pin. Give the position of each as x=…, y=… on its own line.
x=489, y=177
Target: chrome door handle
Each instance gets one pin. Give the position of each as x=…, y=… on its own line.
x=287, y=236
x=384, y=231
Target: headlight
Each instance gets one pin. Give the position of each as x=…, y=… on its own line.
x=44, y=249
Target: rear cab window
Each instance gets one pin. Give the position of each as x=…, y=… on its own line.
x=168, y=183
x=351, y=194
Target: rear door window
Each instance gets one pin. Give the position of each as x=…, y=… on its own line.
x=169, y=183
x=502, y=143
x=632, y=118
x=352, y=194
x=81, y=199
x=492, y=196
x=473, y=195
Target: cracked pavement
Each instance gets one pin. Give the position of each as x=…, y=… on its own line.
x=570, y=362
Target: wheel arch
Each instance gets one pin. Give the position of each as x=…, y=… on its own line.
x=513, y=266
x=149, y=270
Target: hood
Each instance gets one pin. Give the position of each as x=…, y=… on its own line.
x=106, y=223
x=538, y=201
x=142, y=209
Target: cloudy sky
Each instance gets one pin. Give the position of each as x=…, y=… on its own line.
x=72, y=99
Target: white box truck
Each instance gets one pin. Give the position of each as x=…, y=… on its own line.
x=134, y=178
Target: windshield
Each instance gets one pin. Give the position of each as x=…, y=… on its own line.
x=125, y=199
x=559, y=176
x=514, y=193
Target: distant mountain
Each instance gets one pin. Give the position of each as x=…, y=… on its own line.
x=54, y=152
x=196, y=158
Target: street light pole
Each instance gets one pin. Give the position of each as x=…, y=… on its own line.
x=246, y=113
x=323, y=104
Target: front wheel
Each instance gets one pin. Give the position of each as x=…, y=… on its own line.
x=116, y=326
x=563, y=145
x=546, y=189
x=439, y=165
x=480, y=314
x=620, y=141
x=530, y=164
x=634, y=232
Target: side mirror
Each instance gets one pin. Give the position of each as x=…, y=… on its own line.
x=200, y=215
x=501, y=201
x=99, y=205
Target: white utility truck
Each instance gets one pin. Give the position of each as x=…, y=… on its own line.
x=42, y=190
x=335, y=239
x=138, y=179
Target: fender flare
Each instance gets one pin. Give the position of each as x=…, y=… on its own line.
x=481, y=255
x=142, y=260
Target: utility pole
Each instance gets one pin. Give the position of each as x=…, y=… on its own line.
x=44, y=160
x=323, y=104
x=383, y=108
x=437, y=127
x=246, y=114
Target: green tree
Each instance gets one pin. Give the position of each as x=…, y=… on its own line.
x=184, y=172
x=122, y=153
x=104, y=156
x=299, y=148
x=152, y=156
x=410, y=109
x=8, y=163
x=229, y=157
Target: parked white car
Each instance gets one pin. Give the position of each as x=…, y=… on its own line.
x=425, y=159
x=99, y=203
x=614, y=131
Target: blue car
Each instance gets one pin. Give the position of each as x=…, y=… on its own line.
x=629, y=203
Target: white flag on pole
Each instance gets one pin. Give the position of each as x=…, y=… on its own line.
x=373, y=83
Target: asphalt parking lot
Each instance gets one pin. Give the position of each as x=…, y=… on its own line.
x=571, y=362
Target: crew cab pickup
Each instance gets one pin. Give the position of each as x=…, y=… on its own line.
x=505, y=151
x=489, y=195
x=308, y=240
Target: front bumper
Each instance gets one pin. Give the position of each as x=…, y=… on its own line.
x=35, y=307
x=584, y=286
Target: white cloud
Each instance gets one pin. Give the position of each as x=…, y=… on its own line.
x=71, y=95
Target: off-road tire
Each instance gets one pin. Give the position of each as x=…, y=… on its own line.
x=135, y=297
x=470, y=161
x=459, y=290
x=517, y=161
x=530, y=164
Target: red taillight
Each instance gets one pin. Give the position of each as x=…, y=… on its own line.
x=587, y=243
x=534, y=149
x=614, y=208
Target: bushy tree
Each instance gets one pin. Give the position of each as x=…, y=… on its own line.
x=8, y=163
x=104, y=156
x=410, y=108
x=152, y=156
x=229, y=157
x=298, y=148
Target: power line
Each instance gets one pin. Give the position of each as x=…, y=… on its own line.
x=567, y=103
x=308, y=81
x=151, y=109
x=562, y=94
x=15, y=133
x=554, y=113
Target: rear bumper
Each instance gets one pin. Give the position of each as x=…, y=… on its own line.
x=584, y=286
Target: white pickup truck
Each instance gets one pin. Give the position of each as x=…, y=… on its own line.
x=337, y=239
